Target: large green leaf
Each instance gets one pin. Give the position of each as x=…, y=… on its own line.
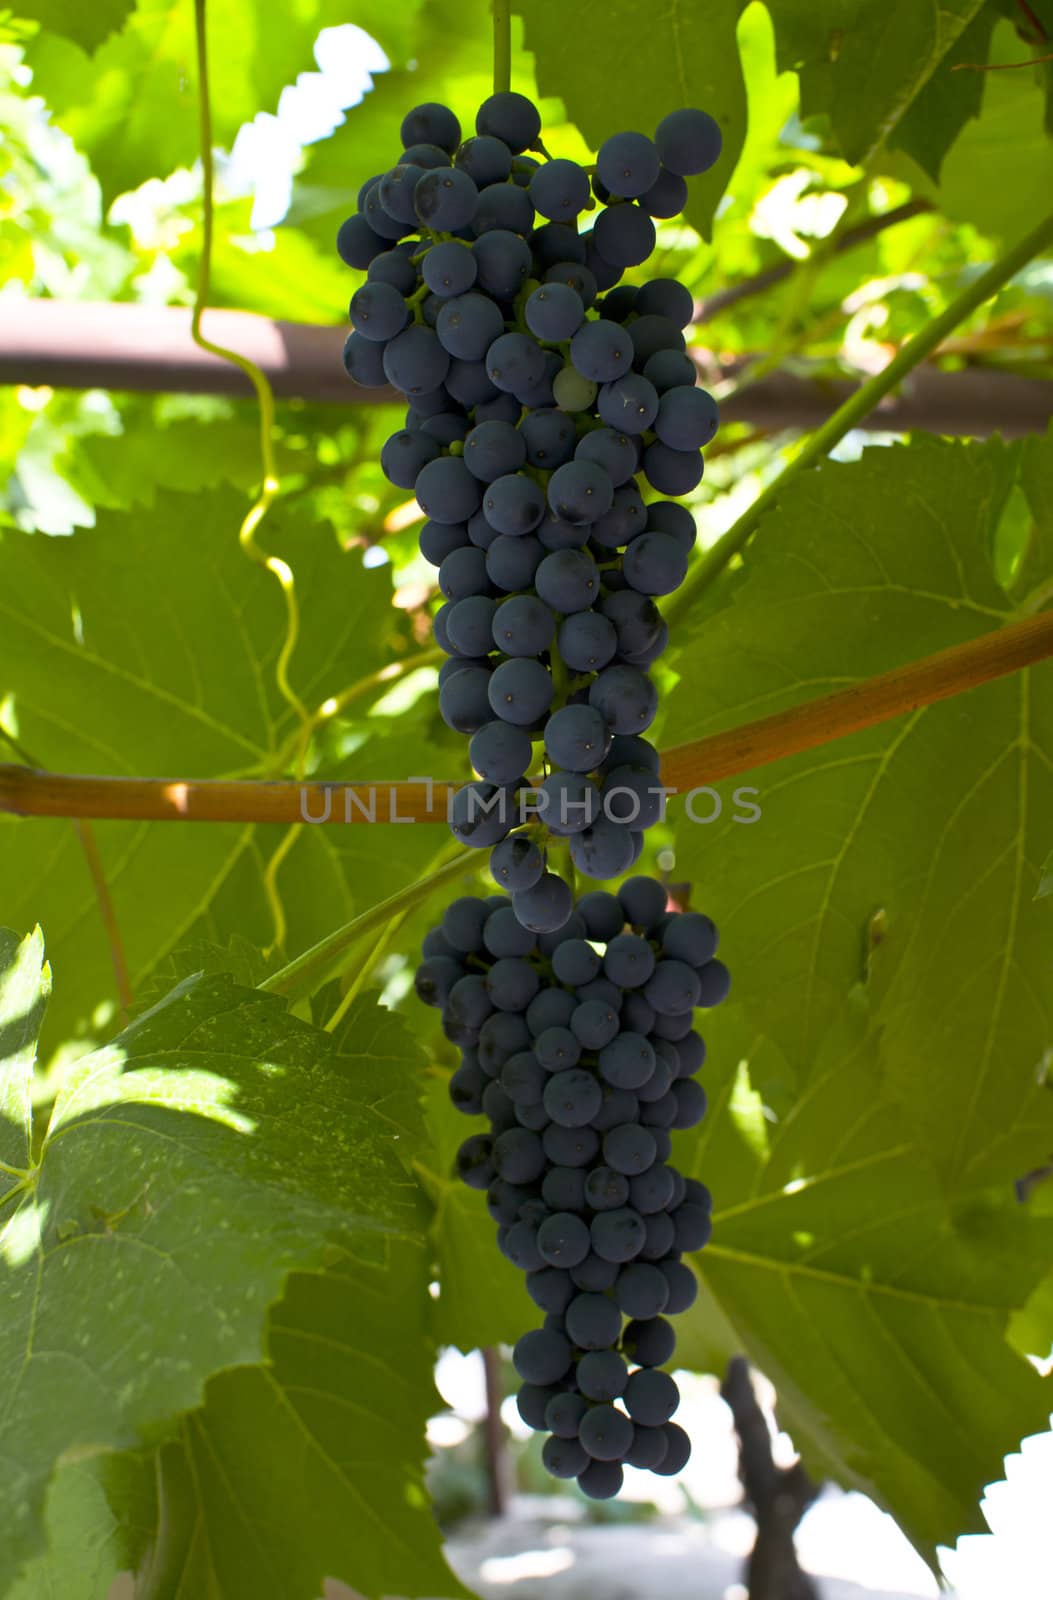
x=141, y=649
x=864, y=62
x=132, y=109
x=186, y=1169
x=682, y=55
x=913, y=848
x=952, y=96
x=308, y=1467
x=1004, y=160
x=874, y=68
x=878, y=1309
x=86, y=25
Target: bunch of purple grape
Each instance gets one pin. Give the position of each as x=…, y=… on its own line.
x=578, y=1047
x=543, y=396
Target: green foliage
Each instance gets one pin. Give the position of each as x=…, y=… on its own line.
x=308, y=1467
x=451, y=63
x=865, y=67
x=87, y=26
x=681, y=56
x=265, y=1211
x=934, y=824
x=878, y=1307
x=189, y=691
x=100, y=1516
x=873, y=69
x=185, y=1170
x=145, y=121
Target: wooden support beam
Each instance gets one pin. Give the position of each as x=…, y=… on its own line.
x=76, y=344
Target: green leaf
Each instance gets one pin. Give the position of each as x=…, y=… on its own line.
x=1003, y=160
x=952, y=97
x=1030, y=579
x=281, y=273
x=245, y=964
x=685, y=55
x=864, y=62
x=308, y=1467
x=878, y=1309
x=96, y=1525
x=215, y=1146
x=86, y=25
x=928, y=831
x=144, y=121
x=141, y=650
x=119, y=471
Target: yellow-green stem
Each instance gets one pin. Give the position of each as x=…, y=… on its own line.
x=502, y=46
x=325, y=959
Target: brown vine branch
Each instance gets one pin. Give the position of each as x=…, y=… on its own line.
x=892, y=694
x=779, y=1495
x=999, y=66
x=108, y=913
x=1040, y=31
x=27, y=791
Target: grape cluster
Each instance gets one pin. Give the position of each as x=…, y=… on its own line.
x=543, y=397
x=578, y=1047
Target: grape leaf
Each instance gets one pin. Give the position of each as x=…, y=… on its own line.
x=281, y=273
x=864, y=62
x=99, y=1513
x=1005, y=158
x=119, y=471
x=684, y=56
x=186, y=1169
x=877, y=1307
x=125, y=651
x=951, y=98
x=87, y=25
x=145, y=123
x=910, y=849
x=874, y=67
x=308, y=1467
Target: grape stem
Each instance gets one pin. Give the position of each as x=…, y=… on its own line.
x=858, y=406
x=325, y=960
x=502, y=46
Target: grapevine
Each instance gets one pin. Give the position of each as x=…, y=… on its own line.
x=544, y=399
